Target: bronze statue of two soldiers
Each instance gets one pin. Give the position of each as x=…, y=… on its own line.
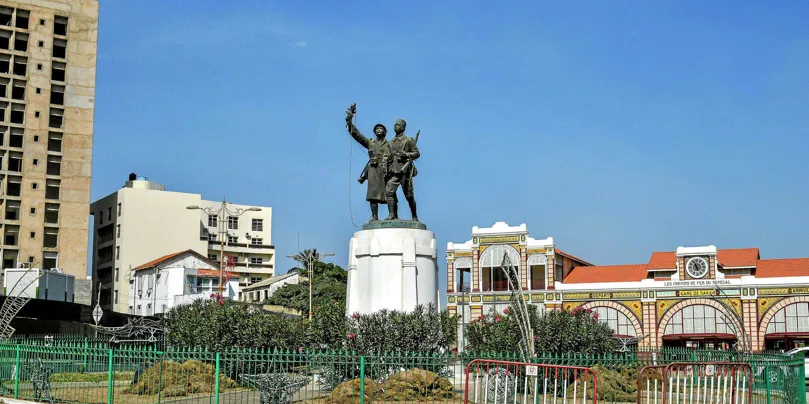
x=390, y=164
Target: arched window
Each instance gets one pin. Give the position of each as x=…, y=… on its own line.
x=790, y=319
x=492, y=274
x=618, y=321
x=698, y=319
x=463, y=274
x=537, y=264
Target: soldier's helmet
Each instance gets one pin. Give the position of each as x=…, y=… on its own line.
x=382, y=126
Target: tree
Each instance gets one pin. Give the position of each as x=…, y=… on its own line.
x=324, y=292
x=555, y=332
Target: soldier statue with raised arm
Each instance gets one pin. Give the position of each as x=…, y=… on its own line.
x=375, y=171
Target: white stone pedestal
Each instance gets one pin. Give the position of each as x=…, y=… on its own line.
x=391, y=268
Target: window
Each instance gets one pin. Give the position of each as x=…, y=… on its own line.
x=254, y=279
x=5, y=39
x=5, y=63
x=3, y=111
x=59, y=48
x=20, y=65
x=55, y=166
x=58, y=95
x=56, y=117
x=16, y=138
x=51, y=237
x=18, y=90
x=618, y=321
x=12, y=210
x=14, y=186
x=33, y=235
x=117, y=253
x=55, y=142
x=41, y=44
x=3, y=131
x=233, y=223
x=537, y=264
x=50, y=259
x=60, y=26
x=39, y=66
x=57, y=71
x=116, y=274
x=52, y=189
x=4, y=87
x=34, y=185
x=256, y=260
x=39, y=90
x=42, y=22
x=36, y=162
x=21, y=42
x=18, y=113
x=212, y=257
x=109, y=213
x=118, y=231
x=493, y=275
x=211, y=236
x=5, y=16
x=36, y=138
x=212, y=221
x=119, y=209
x=116, y=296
x=15, y=162
x=233, y=239
x=33, y=211
x=258, y=224
x=698, y=319
x=22, y=18
x=257, y=241
x=10, y=235
x=793, y=318
x=51, y=213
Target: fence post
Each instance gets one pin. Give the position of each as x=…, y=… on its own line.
x=86, y=348
x=17, y=373
x=111, y=378
x=362, y=380
x=767, y=382
x=216, y=385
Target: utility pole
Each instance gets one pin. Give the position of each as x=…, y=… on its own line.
x=310, y=261
x=223, y=216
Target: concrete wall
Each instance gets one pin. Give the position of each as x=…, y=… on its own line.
x=76, y=131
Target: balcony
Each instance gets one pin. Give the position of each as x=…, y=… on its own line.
x=267, y=246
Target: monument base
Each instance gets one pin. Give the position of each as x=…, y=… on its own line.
x=391, y=267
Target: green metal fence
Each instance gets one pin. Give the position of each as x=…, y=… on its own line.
x=92, y=372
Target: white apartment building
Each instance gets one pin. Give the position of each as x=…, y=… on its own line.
x=143, y=220
x=174, y=280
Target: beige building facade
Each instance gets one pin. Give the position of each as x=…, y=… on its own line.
x=48, y=52
x=143, y=220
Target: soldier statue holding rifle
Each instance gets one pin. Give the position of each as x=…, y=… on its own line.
x=390, y=164
x=401, y=170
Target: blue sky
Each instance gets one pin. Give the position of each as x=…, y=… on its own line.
x=619, y=128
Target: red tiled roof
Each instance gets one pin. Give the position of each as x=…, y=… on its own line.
x=607, y=273
x=738, y=257
x=663, y=260
x=558, y=251
x=208, y=273
x=154, y=263
x=782, y=267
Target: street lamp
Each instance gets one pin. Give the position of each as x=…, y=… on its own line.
x=223, y=214
x=310, y=261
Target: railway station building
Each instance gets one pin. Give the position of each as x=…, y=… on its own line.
x=695, y=297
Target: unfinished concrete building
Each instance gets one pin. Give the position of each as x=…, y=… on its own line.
x=47, y=91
